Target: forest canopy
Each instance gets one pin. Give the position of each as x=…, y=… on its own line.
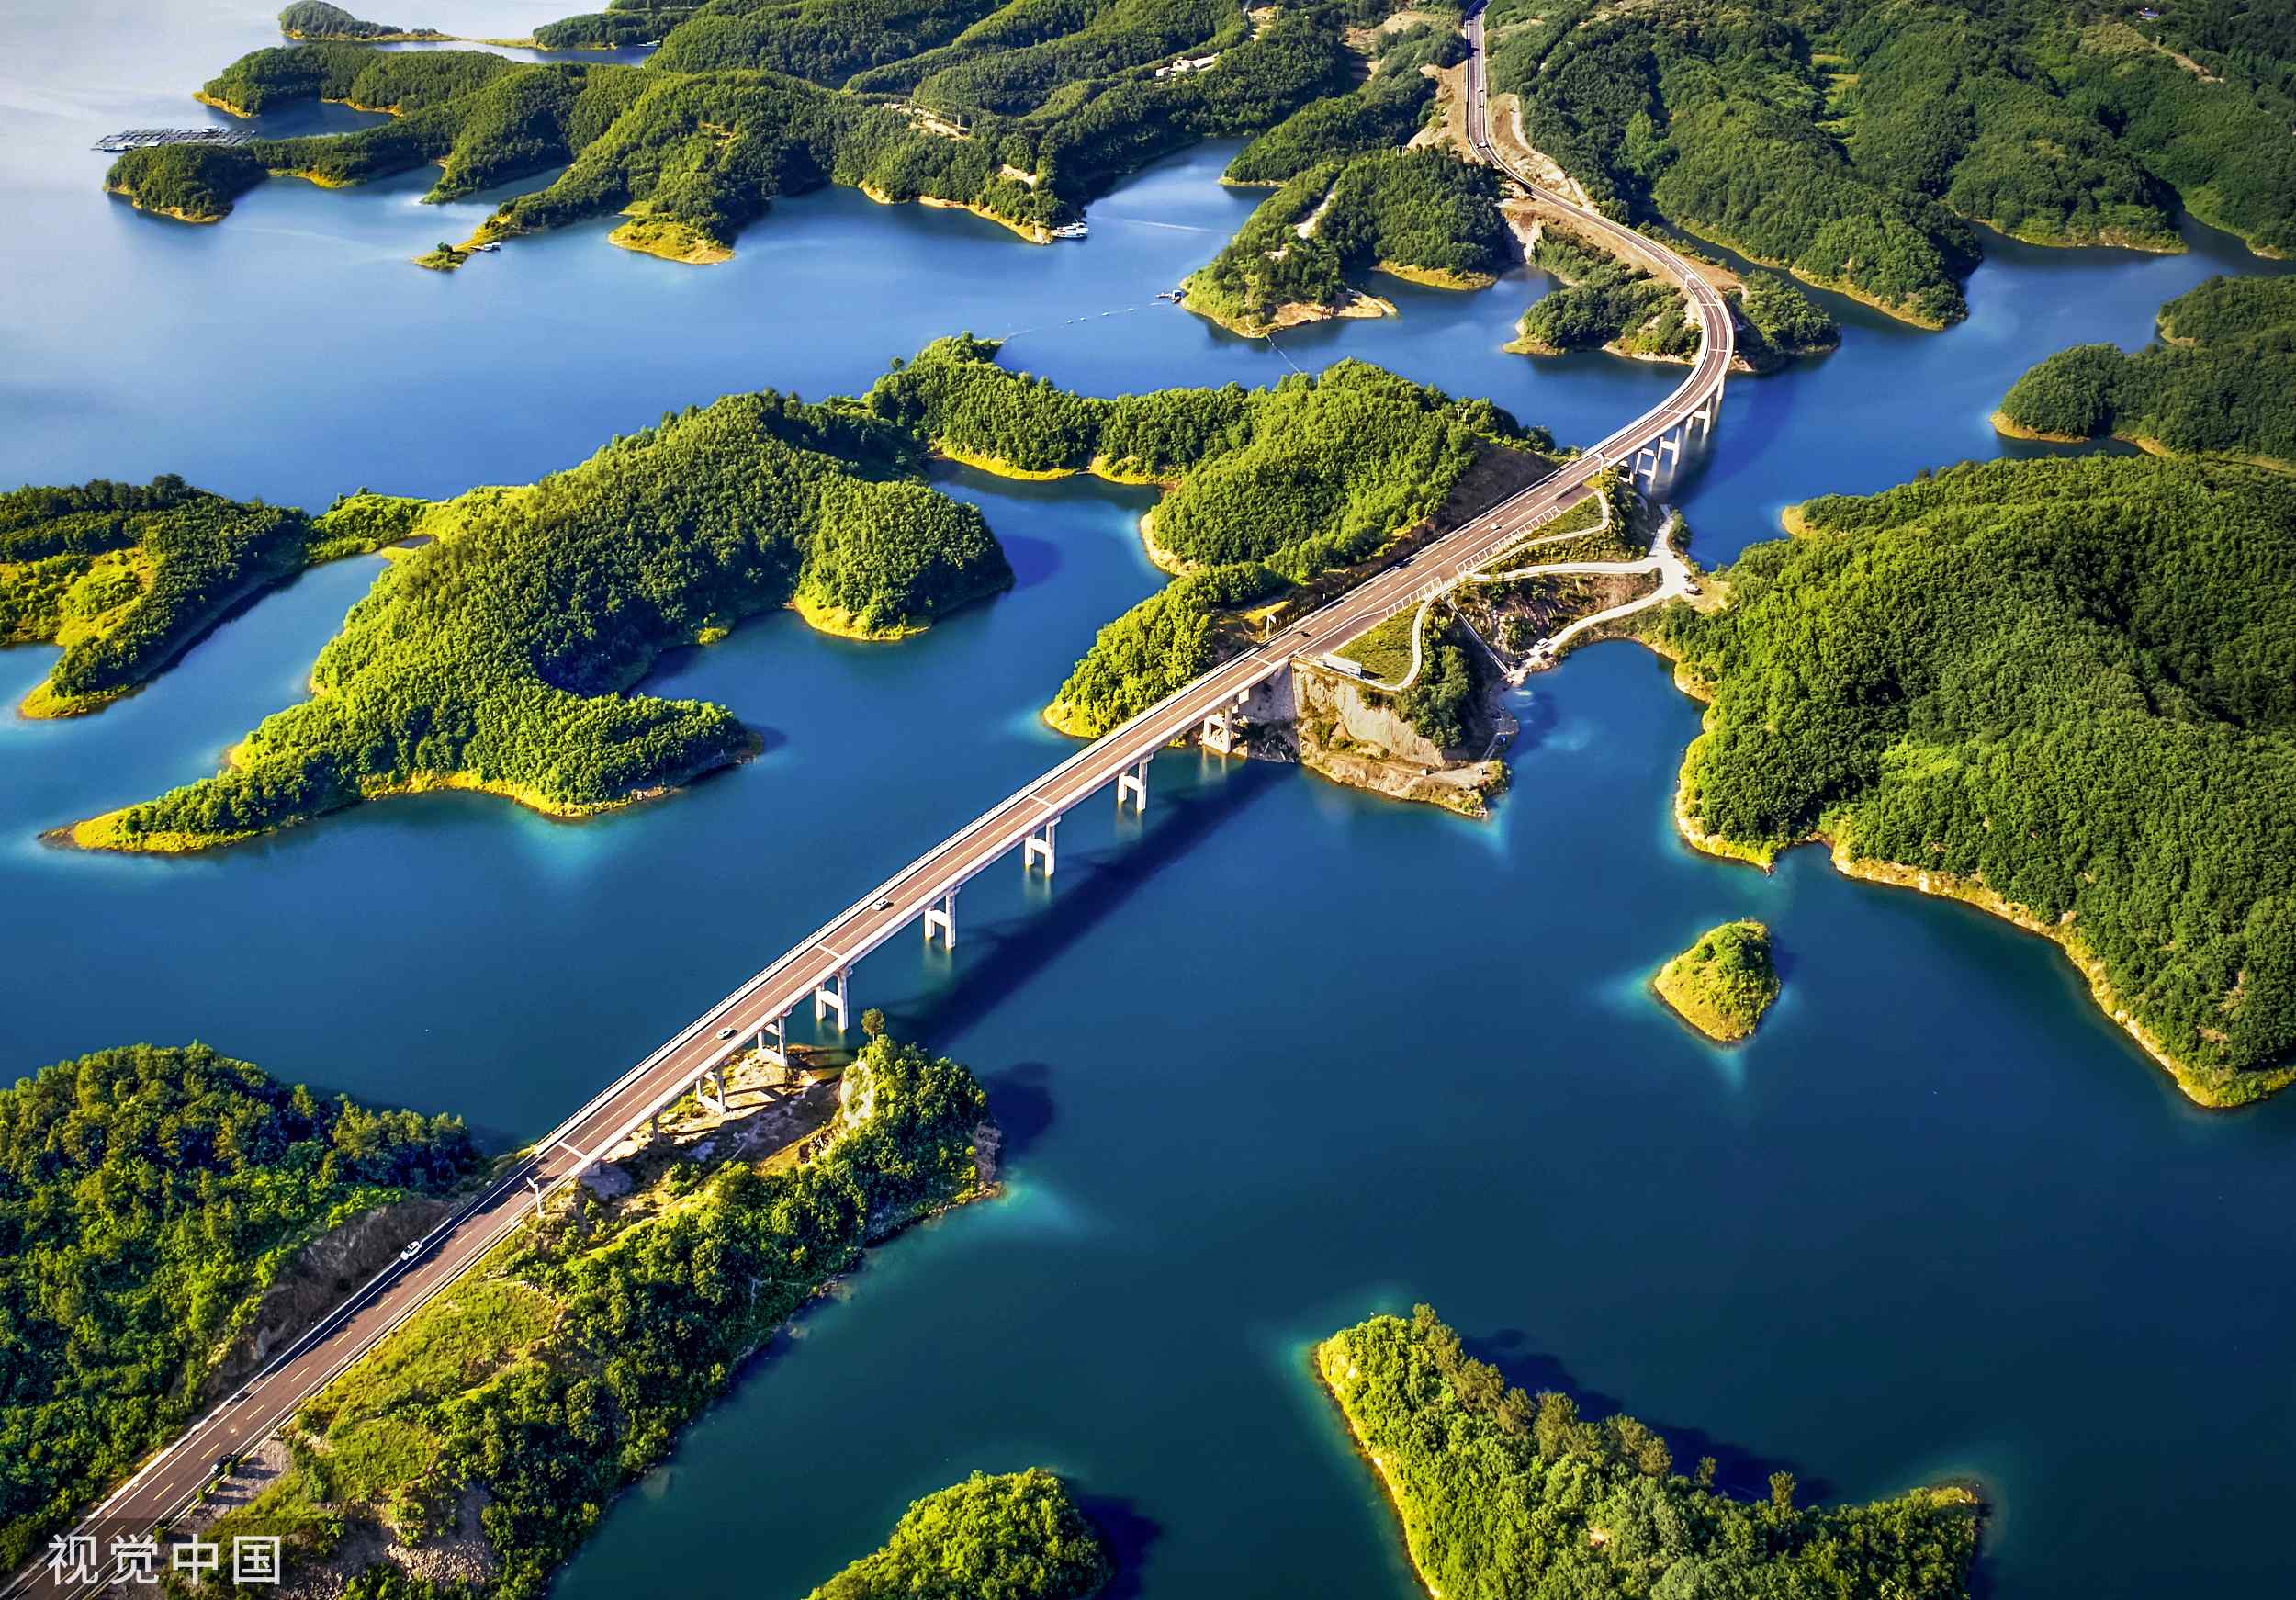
x=499, y=655
x=147, y=1197
x=1423, y=211
x=126, y=577
x=1724, y=982
x=1503, y=1494
x=1022, y=113
x=2070, y=685
x=1852, y=142
x=2220, y=380
x=318, y=19
x=1016, y=1537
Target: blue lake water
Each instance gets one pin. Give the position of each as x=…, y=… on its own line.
x=1276, y=1057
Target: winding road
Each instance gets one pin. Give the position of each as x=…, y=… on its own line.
x=169, y=1481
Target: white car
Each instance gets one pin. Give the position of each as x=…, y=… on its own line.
x=412, y=1251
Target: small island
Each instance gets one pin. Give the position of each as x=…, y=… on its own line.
x=1500, y=1493
x=1722, y=984
x=1017, y=1537
x=316, y=19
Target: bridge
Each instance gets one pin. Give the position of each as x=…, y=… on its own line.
x=817, y=971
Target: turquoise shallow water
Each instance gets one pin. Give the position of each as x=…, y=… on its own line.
x=1276, y=1057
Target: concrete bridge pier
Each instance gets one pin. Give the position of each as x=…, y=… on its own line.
x=773, y=1041
x=1220, y=732
x=1133, y=780
x=941, y=917
x=709, y=1090
x=1039, y=844
x=830, y=995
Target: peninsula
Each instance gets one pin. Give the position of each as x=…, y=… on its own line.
x=2085, y=725
x=1722, y=984
x=1500, y=1494
x=126, y=577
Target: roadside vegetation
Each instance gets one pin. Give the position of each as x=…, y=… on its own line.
x=1854, y=143
x=2220, y=380
x=1502, y=1494
x=1381, y=113
x=1722, y=984
x=1017, y=1537
x=149, y=1196
x=1020, y=113
x=2087, y=723
x=498, y=1423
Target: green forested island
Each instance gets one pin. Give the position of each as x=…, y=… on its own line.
x=504, y=1417
x=1021, y=112
x=1423, y=214
x=1503, y=1495
x=1722, y=984
x=312, y=20
x=1268, y=489
x=2063, y=690
x=1017, y=1537
x=2221, y=380
x=125, y=577
x=148, y=1198
x=498, y=650
x=1853, y=141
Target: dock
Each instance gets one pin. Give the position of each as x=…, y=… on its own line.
x=146, y=137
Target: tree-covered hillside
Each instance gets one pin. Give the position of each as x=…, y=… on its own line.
x=1847, y=140
x=498, y=656
x=1503, y=1494
x=1423, y=212
x=147, y=1197
x=542, y=1384
x=2221, y=381
x=1021, y=112
x=1269, y=489
x=2064, y=688
x=1019, y=1537
x=125, y=577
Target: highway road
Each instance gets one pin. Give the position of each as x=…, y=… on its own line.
x=167, y=1484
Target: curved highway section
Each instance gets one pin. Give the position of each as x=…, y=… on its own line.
x=167, y=1484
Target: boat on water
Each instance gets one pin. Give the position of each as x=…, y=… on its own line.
x=1071, y=230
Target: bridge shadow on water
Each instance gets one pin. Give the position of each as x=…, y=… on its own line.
x=1739, y=1472
x=1093, y=885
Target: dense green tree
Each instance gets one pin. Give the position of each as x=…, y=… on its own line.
x=147, y=1197
x=500, y=653
x=2068, y=684
x=563, y=1370
x=1503, y=1496
x=2221, y=380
